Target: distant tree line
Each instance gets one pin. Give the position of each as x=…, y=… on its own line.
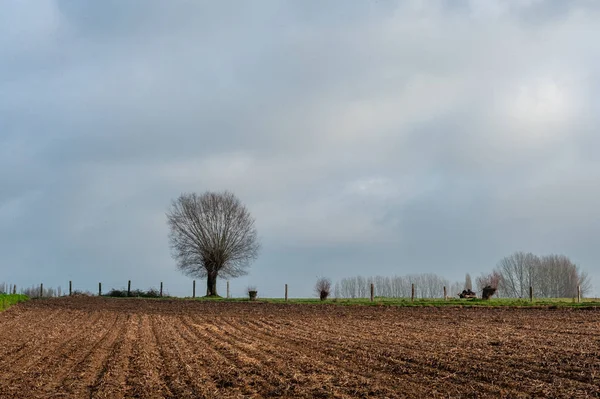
x=428, y=285
x=48, y=292
x=551, y=276
x=5, y=288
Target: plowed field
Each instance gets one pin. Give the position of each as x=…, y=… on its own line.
x=118, y=348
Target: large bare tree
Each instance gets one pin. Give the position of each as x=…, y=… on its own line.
x=212, y=235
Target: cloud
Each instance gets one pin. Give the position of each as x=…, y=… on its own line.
x=415, y=136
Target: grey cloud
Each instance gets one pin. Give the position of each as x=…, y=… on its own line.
x=412, y=136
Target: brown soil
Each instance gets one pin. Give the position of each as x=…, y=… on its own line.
x=131, y=348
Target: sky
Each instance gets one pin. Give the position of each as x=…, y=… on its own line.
x=365, y=137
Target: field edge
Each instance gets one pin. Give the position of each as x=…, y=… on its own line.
x=8, y=300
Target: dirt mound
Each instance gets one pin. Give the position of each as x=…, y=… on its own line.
x=467, y=294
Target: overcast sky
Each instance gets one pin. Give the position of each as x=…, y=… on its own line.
x=366, y=137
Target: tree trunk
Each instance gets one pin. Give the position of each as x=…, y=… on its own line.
x=211, y=284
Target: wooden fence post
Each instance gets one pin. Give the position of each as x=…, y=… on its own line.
x=70, y=288
x=445, y=294
x=128, y=287
x=578, y=294
x=15, y=289
x=161, y=289
x=531, y=293
x=99, y=289
x=286, y=292
x=194, y=289
x=372, y=292
x=227, y=289
x=412, y=295
x=41, y=290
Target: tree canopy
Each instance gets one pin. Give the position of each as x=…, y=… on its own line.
x=211, y=235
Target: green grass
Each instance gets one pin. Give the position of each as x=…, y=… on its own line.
x=406, y=302
x=7, y=300
x=402, y=302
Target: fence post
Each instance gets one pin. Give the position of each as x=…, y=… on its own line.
x=161, y=289
x=70, y=288
x=445, y=294
x=15, y=289
x=128, y=287
x=531, y=293
x=412, y=295
x=372, y=292
x=41, y=290
x=194, y=289
x=286, y=293
x=578, y=294
x=227, y=289
x=99, y=289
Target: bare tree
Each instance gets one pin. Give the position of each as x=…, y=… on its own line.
x=492, y=280
x=488, y=284
x=585, y=283
x=323, y=288
x=361, y=285
x=429, y=285
x=212, y=235
x=468, y=282
x=349, y=289
x=519, y=271
x=337, y=291
x=559, y=277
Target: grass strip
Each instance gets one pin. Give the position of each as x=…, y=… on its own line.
x=7, y=300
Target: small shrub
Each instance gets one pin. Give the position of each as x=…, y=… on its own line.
x=489, y=284
x=252, y=292
x=122, y=293
x=116, y=293
x=323, y=288
x=487, y=292
x=152, y=293
x=80, y=293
